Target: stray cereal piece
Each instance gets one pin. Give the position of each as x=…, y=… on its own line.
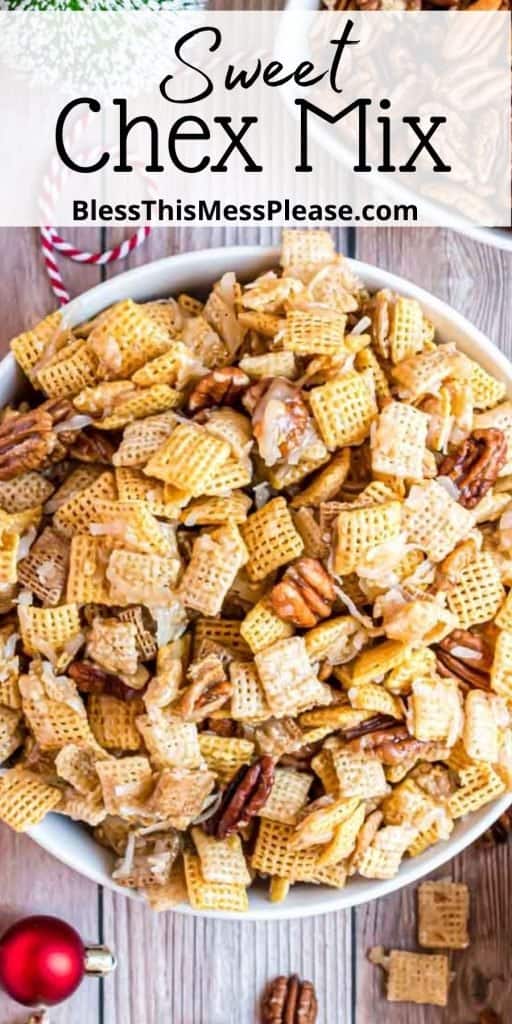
x=443, y=912
x=417, y=978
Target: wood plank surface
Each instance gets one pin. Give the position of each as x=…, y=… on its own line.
x=182, y=970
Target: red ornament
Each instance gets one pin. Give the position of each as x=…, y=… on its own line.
x=42, y=961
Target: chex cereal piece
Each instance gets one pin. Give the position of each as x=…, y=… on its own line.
x=367, y=360
x=76, y=764
x=343, y=842
x=45, y=628
x=125, y=338
x=166, y=313
x=318, y=821
x=78, y=480
x=284, y=474
x=406, y=329
x=248, y=697
x=481, y=733
x=359, y=774
x=132, y=485
x=54, y=710
x=189, y=459
x=173, y=367
x=216, y=510
x=143, y=438
x=142, y=403
x=130, y=525
x=434, y=520
x=287, y=797
x=28, y=347
x=215, y=561
x=443, y=912
x=69, y=375
x=318, y=333
x=327, y=482
x=233, y=473
x=144, y=635
x=360, y=529
x=222, y=860
x=479, y=785
x=224, y=632
x=271, y=364
x=25, y=799
x=504, y=617
x=271, y=539
x=422, y=374
x=262, y=627
x=435, y=710
x=113, y=722
x=171, y=743
x=373, y=697
x=88, y=557
x=479, y=592
x=11, y=736
x=373, y=664
x=136, y=578
x=383, y=857
x=224, y=755
x=398, y=441
x=288, y=678
x=501, y=671
x=344, y=409
x=486, y=390
x=9, y=544
x=45, y=568
x=180, y=794
x=28, y=490
x=275, y=855
x=437, y=831
x=125, y=783
x=75, y=515
x=409, y=804
x=306, y=250
x=418, y=978
x=205, y=895
x=332, y=640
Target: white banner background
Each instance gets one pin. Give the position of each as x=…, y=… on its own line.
x=426, y=63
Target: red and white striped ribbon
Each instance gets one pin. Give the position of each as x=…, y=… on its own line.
x=53, y=243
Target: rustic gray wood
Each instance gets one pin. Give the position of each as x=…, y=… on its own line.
x=182, y=970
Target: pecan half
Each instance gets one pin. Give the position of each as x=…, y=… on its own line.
x=243, y=797
x=289, y=1001
x=305, y=594
x=475, y=465
x=91, y=678
x=466, y=656
x=490, y=1017
x=26, y=440
x=280, y=418
x=392, y=746
x=220, y=387
x=374, y=724
x=92, y=446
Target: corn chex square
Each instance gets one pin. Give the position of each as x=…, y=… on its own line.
x=288, y=678
x=479, y=592
x=344, y=409
x=271, y=539
x=398, y=441
x=361, y=529
x=434, y=520
x=287, y=797
x=443, y=914
x=359, y=775
x=418, y=978
x=205, y=895
x=222, y=860
x=189, y=459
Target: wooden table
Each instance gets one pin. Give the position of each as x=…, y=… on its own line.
x=184, y=970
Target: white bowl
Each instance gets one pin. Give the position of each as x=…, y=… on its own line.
x=195, y=272
x=290, y=47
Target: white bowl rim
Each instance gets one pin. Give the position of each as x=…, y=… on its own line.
x=497, y=237
x=57, y=834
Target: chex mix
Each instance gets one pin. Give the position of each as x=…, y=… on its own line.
x=255, y=572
